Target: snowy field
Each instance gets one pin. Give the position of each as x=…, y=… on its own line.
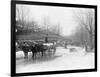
x=62, y=60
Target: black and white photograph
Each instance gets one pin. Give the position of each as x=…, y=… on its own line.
x=54, y=38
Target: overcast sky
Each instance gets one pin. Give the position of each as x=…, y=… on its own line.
x=56, y=15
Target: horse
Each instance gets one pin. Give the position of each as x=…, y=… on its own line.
x=33, y=47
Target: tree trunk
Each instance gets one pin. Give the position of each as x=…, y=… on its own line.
x=91, y=42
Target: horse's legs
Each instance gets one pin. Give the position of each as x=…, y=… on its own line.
x=26, y=55
x=42, y=53
x=32, y=54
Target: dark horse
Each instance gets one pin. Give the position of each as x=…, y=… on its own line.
x=25, y=49
x=34, y=48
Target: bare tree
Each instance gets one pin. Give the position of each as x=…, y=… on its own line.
x=23, y=19
x=22, y=15
x=86, y=21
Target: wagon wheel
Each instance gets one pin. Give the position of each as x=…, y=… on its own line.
x=53, y=49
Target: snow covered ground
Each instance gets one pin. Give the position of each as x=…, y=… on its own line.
x=62, y=60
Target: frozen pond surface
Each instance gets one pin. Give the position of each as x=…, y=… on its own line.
x=62, y=60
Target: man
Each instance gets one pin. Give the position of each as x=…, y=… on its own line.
x=86, y=48
x=46, y=39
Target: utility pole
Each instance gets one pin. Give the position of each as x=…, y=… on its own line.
x=45, y=23
x=46, y=38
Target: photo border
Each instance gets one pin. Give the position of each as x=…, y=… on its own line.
x=13, y=37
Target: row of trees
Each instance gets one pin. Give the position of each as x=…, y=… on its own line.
x=25, y=23
x=85, y=31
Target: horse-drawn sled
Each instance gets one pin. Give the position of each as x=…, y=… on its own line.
x=36, y=47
